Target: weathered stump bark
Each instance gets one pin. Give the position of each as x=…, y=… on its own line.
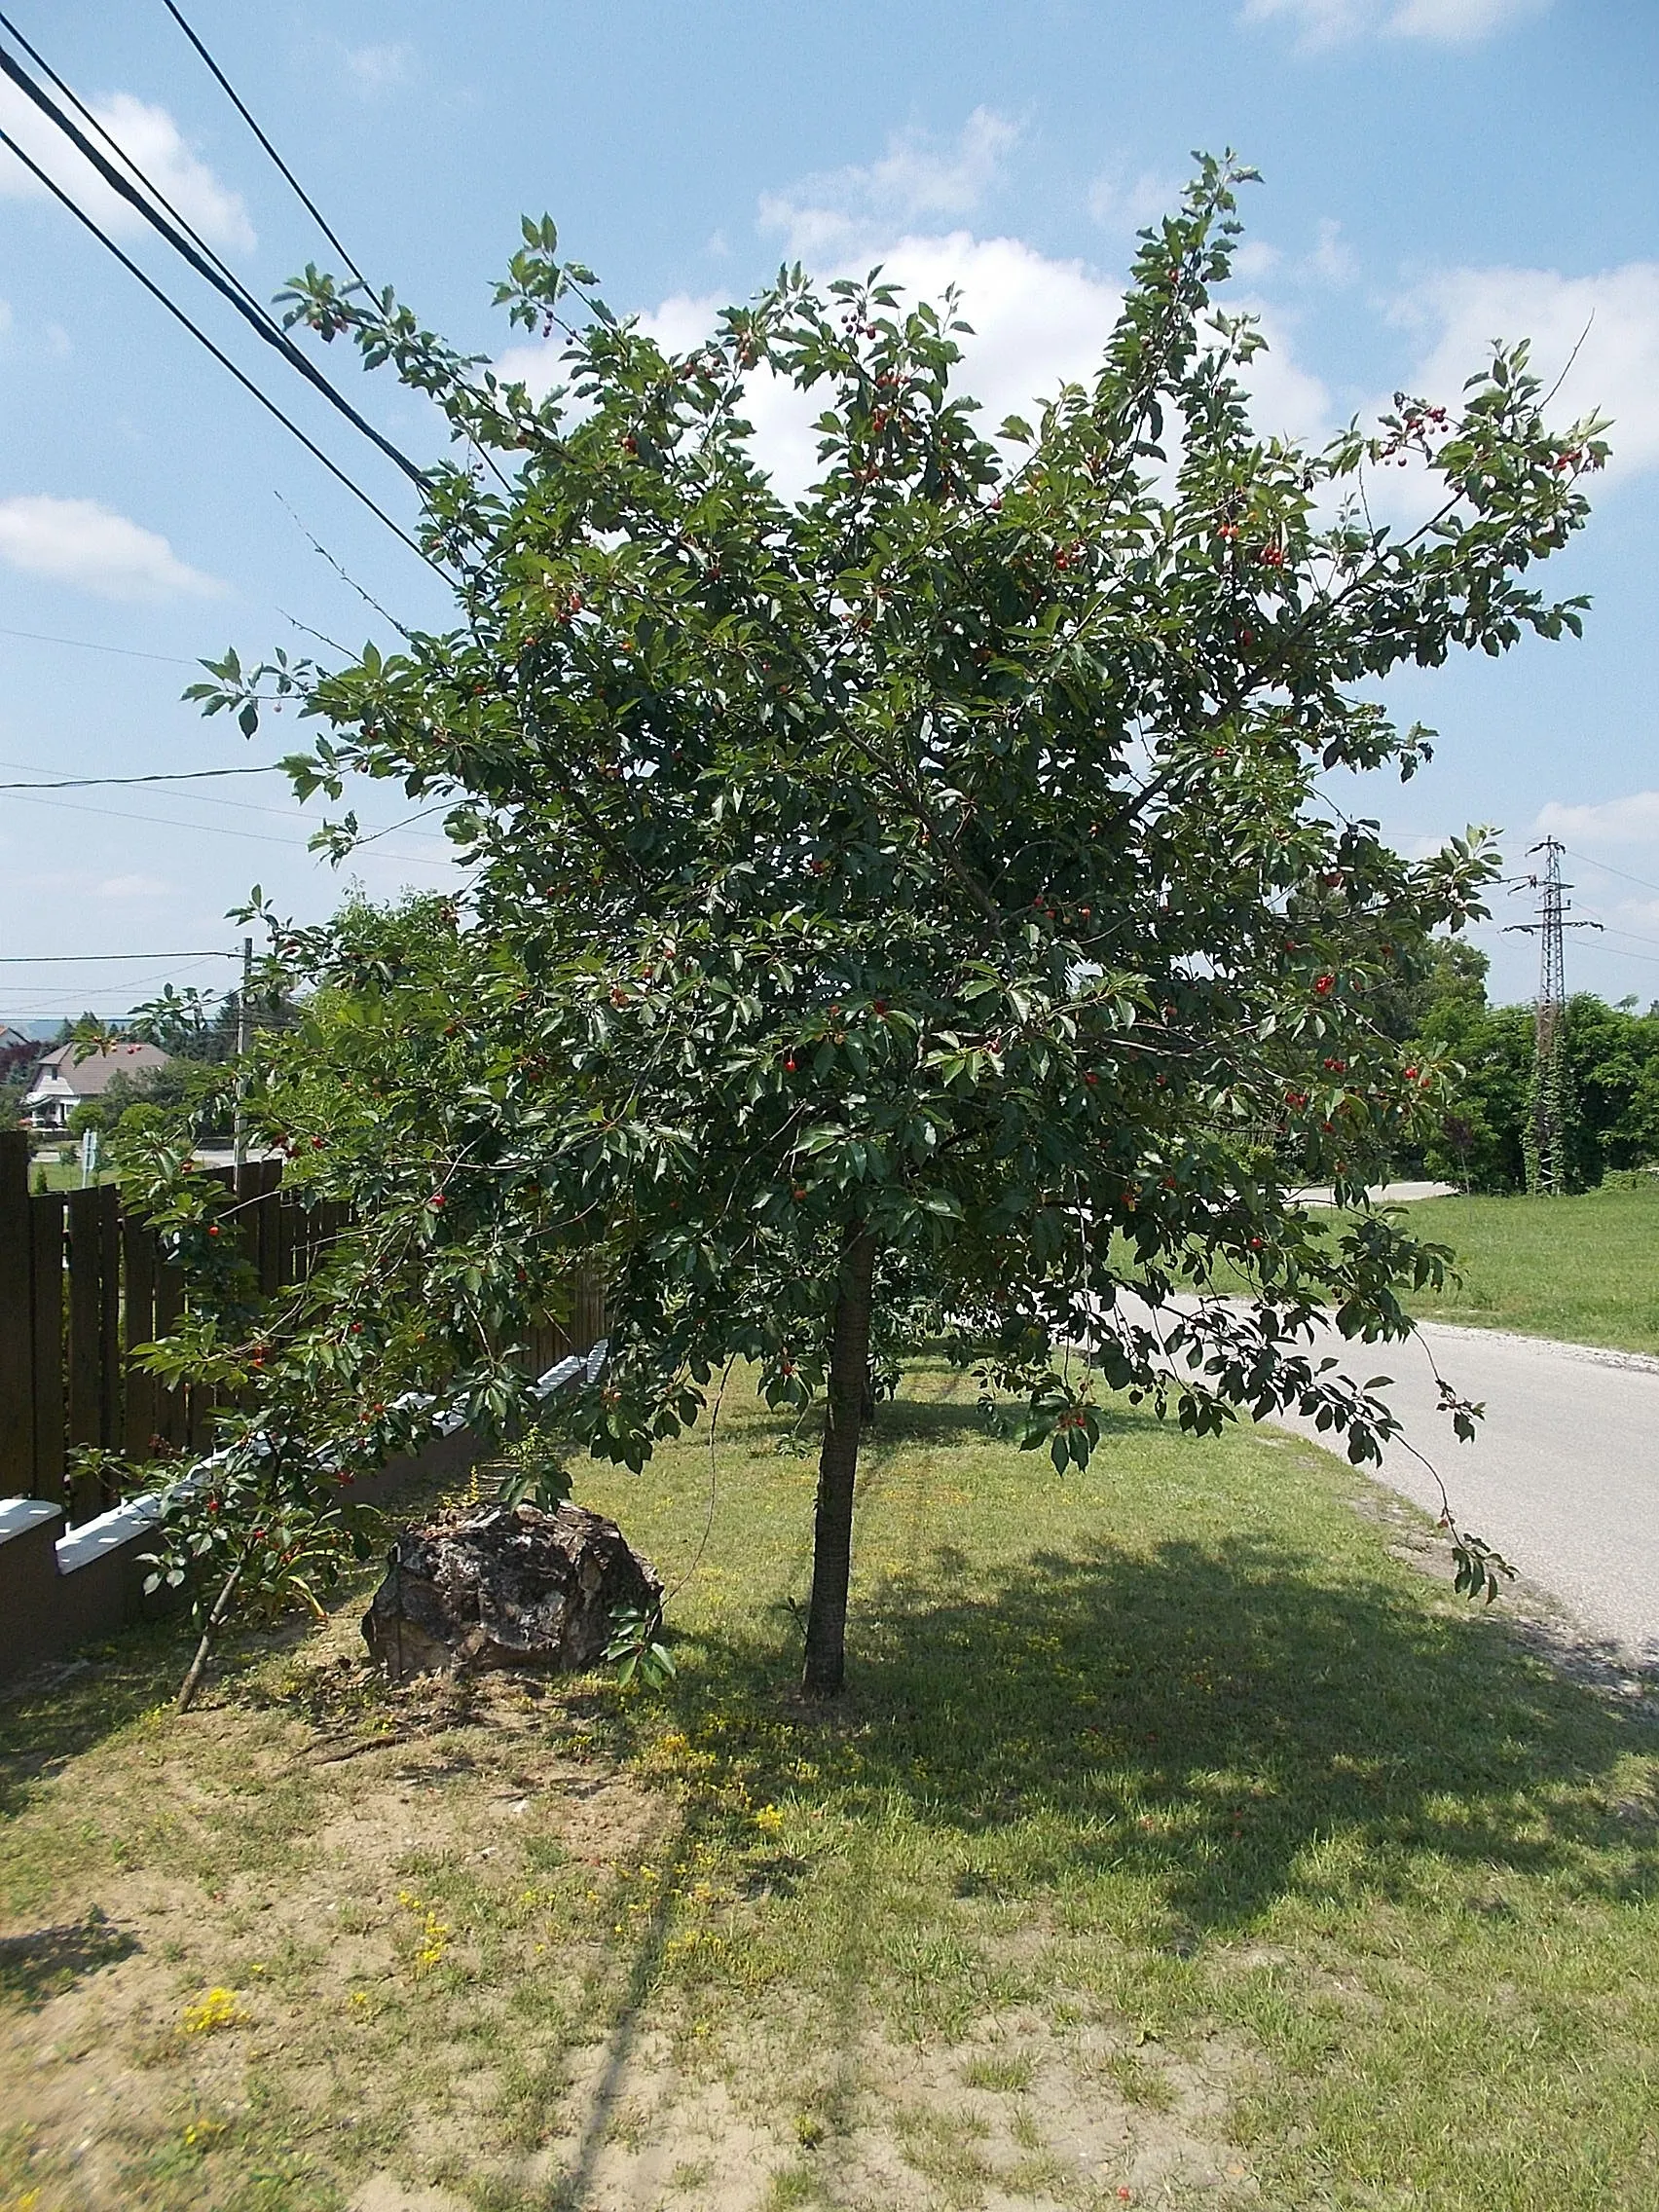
x=505, y=1586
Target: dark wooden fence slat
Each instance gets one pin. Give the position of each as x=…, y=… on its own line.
x=169, y=1397
x=109, y=1317
x=271, y=1277
x=46, y=1300
x=138, y=1327
x=17, y=1363
x=283, y=1212
x=86, y=1340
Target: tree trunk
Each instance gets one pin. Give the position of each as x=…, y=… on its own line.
x=215, y=1620
x=838, y=1468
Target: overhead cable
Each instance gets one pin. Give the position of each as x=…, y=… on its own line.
x=258, y=319
x=223, y=359
x=166, y=776
x=146, y=183
x=217, y=829
x=81, y=959
x=1585, y=860
x=88, y=646
x=236, y=100
x=201, y=798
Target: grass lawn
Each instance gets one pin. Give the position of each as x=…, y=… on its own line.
x=1179, y=1843
x=1584, y=1269
x=64, y=1176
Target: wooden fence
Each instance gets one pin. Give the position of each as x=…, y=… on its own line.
x=83, y=1282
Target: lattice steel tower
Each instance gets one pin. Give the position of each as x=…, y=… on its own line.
x=1545, y=1141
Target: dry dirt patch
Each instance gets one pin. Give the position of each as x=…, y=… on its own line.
x=326, y=1944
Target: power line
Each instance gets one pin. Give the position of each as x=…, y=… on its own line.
x=223, y=359
x=206, y=798
x=1586, y=862
x=161, y=821
x=76, y=959
x=87, y=646
x=184, y=242
x=304, y=197
x=169, y=776
x=214, y=828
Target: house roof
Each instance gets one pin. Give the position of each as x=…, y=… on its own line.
x=89, y=1077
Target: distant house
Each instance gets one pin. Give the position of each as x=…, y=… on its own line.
x=61, y=1082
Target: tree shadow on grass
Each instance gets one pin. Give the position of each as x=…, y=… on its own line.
x=59, y=1711
x=940, y=1424
x=1200, y=1715
x=1212, y=1728
x=48, y=1961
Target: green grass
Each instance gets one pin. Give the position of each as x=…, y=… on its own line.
x=64, y=1176
x=1175, y=1836
x=1582, y=1268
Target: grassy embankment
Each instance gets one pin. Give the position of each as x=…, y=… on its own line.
x=1582, y=1268
x=1176, y=1838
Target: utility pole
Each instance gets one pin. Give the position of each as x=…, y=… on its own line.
x=1546, y=1135
x=240, y=1140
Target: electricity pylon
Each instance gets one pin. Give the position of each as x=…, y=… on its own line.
x=1545, y=1142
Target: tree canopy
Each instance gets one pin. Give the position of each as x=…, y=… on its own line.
x=1478, y=1132
x=915, y=908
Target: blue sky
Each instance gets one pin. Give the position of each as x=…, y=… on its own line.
x=1437, y=173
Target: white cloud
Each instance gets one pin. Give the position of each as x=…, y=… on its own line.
x=1457, y=22
x=150, y=136
x=134, y=886
x=1446, y=22
x=1630, y=821
x=1286, y=400
x=535, y=367
x=1120, y=202
x=840, y=211
x=1611, y=318
x=1331, y=260
x=77, y=541
x=1037, y=322
x=380, y=68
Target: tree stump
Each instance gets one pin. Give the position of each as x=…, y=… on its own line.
x=505, y=1586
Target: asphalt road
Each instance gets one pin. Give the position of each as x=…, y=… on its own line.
x=1562, y=1476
